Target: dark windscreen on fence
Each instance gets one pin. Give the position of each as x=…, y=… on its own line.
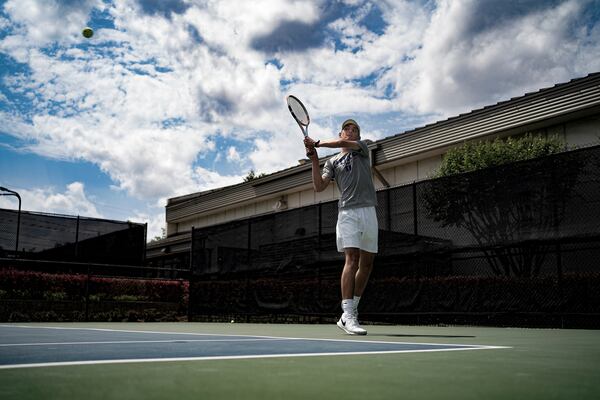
x=70, y=238
x=552, y=198
x=522, y=237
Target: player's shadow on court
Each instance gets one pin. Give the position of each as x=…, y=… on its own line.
x=422, y=336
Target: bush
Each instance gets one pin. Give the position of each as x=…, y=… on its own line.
x=479, y=155
x=38, y=296
x=500, y=204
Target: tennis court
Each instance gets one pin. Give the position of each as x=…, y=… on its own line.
x=251, y=361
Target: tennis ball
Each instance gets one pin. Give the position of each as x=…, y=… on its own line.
x=87, y=32
x=232, y=321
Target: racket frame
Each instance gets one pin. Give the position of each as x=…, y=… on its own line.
x=303, y=127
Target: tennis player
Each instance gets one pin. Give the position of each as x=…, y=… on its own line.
x=356, y=230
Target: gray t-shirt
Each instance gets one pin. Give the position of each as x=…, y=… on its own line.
x=352, y=173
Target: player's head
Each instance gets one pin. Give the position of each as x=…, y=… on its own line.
x=350, y=127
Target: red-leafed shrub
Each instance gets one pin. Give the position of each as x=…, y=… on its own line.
x=39, y=296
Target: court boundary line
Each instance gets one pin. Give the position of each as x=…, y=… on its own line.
x=253, y=338
x=466, y=346
x=244, y=357
x=138, y=342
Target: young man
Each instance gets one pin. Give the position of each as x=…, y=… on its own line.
x=356, y=229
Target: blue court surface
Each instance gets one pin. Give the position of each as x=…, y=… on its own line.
x=40, y=346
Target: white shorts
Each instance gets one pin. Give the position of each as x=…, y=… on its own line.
x=357, y=228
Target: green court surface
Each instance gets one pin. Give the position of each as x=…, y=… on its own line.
x=538, y=364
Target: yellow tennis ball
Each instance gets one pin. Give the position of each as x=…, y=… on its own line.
x=87, y=32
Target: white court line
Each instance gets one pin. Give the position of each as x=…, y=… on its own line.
x=139, y=341
x=127, y=331
x=456, y=347
x=477, y=346
x=255, y=356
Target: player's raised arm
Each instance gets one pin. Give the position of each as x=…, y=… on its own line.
x=338, y=144
x=347, y=139
x=320, y=183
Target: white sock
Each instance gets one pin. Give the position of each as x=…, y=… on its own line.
x=356, y=301
x=348, y=306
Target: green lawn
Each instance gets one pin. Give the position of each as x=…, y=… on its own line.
x=542, y=364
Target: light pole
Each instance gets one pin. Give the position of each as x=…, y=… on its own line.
x=13, y=193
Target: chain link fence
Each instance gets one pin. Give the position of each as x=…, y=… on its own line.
x=510, y=245
x=69, y=268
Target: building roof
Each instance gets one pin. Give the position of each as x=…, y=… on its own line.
x=577, y=98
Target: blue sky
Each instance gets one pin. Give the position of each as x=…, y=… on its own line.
x=179, y=96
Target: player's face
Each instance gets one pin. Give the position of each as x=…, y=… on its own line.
x=350, y=132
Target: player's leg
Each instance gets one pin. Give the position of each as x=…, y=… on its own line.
x=348, y=241
x=348, y=321
x=351, y=267
x=365, y=266
x=367, y=219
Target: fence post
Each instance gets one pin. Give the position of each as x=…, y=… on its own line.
x=77, y=241
x=415, y=219
x=191, y=275
x=559, y=271
x=87, y=295
x=249, y=246
x=388, y=210
x=18, y=228
x=320, y=231
x=144, y=246
x=247, y=274
x=13, y=193
x=319, y=240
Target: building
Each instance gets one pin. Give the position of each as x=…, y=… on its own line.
x=570, y=110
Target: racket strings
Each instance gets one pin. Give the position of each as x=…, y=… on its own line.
x=298, y=111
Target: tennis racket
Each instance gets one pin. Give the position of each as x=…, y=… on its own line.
x=300, y=114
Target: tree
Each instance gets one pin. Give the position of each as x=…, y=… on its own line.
x=161, y=237
x=503, y=200
x=252, y=176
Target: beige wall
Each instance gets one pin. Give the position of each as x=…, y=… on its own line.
x=583, y=132
x=394, y=175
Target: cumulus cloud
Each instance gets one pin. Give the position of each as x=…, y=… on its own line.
x=233, y=155
x=39, y=23
x=155, y=218
x=71, y=201
x=478, y=52
x=147, y=99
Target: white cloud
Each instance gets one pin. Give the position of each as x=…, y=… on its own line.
x=148, y=100
x=155, y=220
x=73, y=201
x=233, y=155
x=44, y=22
x=459, y=68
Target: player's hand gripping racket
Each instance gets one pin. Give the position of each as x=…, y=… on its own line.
x=300, y=114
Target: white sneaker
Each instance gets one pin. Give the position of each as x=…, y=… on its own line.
x=350, y=325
